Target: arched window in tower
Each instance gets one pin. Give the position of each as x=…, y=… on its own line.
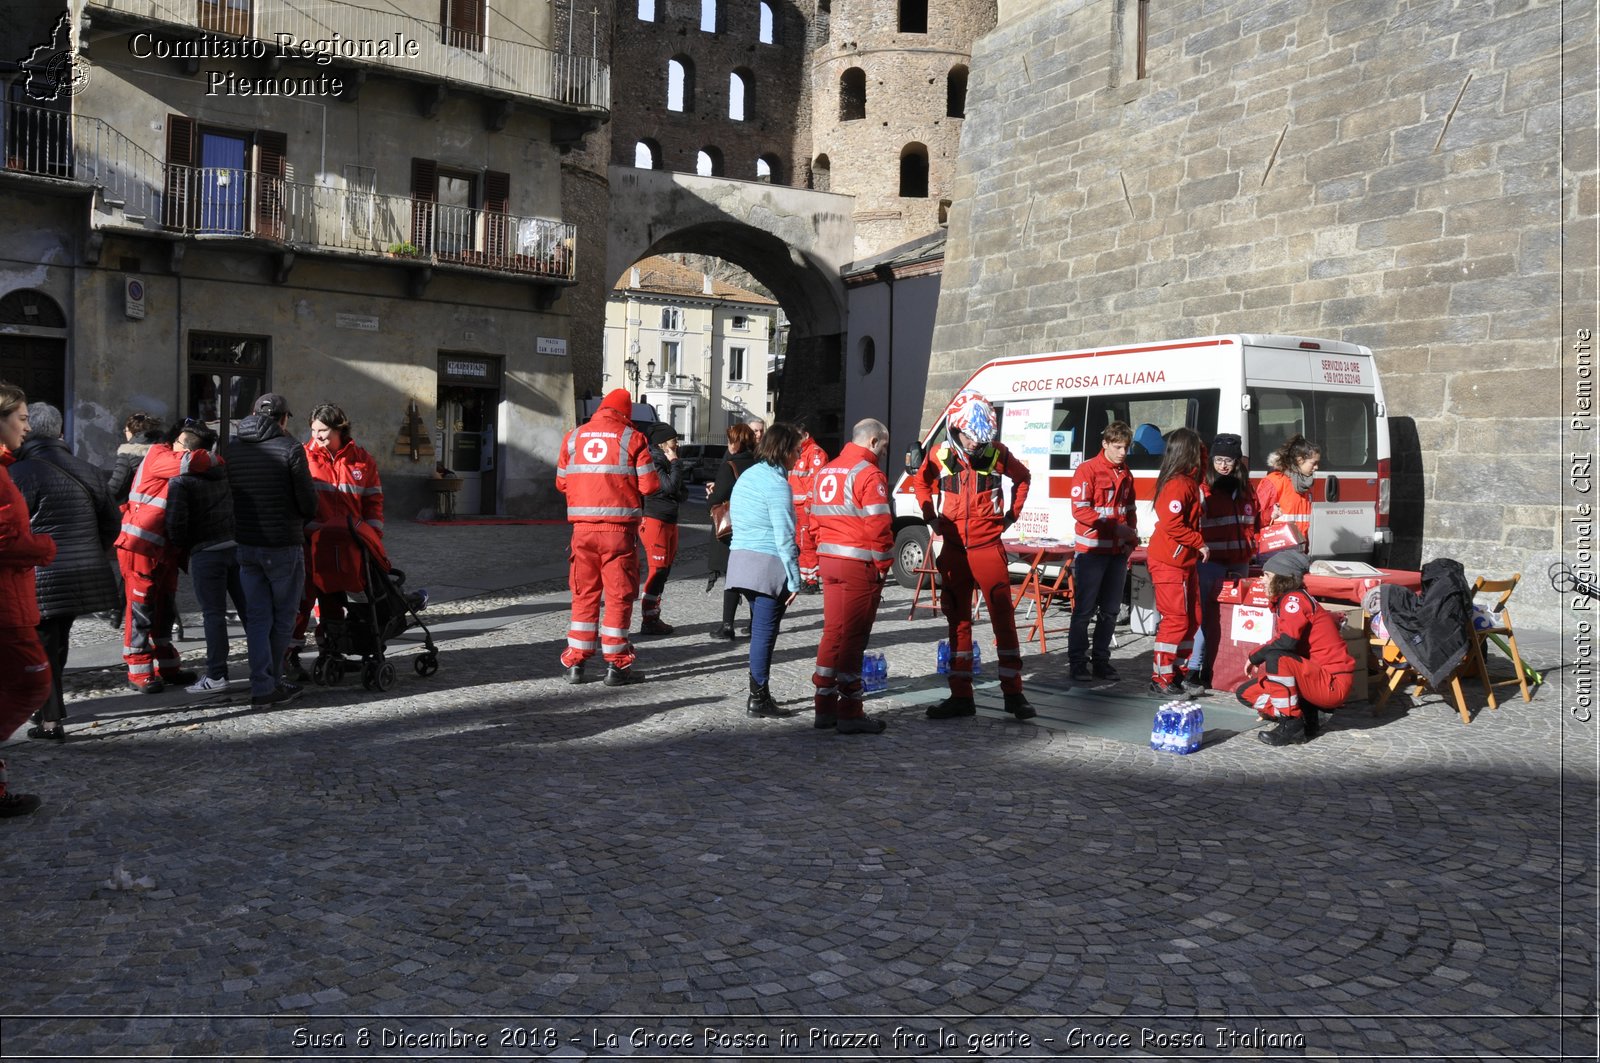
x=852, y=94
x=680, y=84
x=708, y=163
x=821, y=174
x=709, y=16
x=741, y=86
x=647, y=10
x=955, y=92
x=647, y=155
x=913, y=16
x=769, y=168
x=914, y=171
x=768, y=30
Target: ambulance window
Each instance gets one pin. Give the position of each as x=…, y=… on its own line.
x=1278, y=414
x=1066, y=437
x=1348, y=429
x=1152, y=416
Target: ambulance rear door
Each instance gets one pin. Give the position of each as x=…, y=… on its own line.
x=1326, y=391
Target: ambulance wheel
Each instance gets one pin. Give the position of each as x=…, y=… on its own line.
x=910, y=551
x=426, y=664
x=383, y=676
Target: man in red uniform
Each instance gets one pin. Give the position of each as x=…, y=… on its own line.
x=150, y=567
x=966, y=477
x=605, y=470
x=1106, y=533
x=802, y=481
x=1305, y=667
x=851, y=516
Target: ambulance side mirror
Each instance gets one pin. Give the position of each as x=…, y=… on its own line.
x=914, y=456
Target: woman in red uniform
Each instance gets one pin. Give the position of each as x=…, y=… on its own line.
x=1176, y=548
x=24, y=667
x=348, y=488
x=1306, y=666
x=1230, y=522
x=1284, y=494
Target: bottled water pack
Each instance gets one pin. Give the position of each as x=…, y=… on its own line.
x=1178, y=728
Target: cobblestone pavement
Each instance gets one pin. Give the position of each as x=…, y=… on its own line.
x=591, y=871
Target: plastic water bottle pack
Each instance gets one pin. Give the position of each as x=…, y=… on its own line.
x=942, y=663
x=1179, y=727
x=874, y=673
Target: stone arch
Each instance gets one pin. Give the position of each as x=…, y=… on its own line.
x=33, y=346
x=852, y=94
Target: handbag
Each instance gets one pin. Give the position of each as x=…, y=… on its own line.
x=721, y=521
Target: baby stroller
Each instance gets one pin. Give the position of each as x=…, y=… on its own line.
x=382, y=611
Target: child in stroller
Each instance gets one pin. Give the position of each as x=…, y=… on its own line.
x=380, y=613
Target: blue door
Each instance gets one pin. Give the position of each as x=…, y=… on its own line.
x=224, y=183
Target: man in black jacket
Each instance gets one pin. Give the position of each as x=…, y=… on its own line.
x=200, y=523
x=659, y=530
x=273, y=497
x=68, y=501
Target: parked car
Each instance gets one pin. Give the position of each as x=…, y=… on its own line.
x=702, y=460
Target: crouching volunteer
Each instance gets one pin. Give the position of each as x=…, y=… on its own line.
x=967, y=476
x=1306, y=666
x=850, y=516
x=660, y=528
x=605, y=470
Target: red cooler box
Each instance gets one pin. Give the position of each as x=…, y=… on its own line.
x=1244, y=629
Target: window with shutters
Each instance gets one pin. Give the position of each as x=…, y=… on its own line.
x=462, y=22
x=224, y=182
x=461, y=215
x=225, y=16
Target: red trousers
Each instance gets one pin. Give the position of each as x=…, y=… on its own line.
x=1279, y=691
x=807, y=542
x=604, y=558
x=152, y=588
x=24, y=677
x=660, y=551
x=851, y=591
x=1178, y=603
x=984, y=567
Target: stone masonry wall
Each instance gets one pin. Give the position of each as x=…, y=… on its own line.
x=1418, y=177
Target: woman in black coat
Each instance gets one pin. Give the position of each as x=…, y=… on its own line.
x=68, y=501
x=741, y=455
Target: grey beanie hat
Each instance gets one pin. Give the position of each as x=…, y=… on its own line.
x=1288, y=563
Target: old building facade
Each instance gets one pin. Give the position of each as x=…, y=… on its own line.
x=365, y=208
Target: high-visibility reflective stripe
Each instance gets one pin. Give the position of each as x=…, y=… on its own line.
x=148, y=500
x=614, y=632
x=853, y=553
x=1009, y=673
x=139, y=533
x=649, y=597
x=824, y=672
x=1165, y=647
x=607, y=470
x=580, y=644
x=959, y=673
x=1295, y=518
x=848, y=679
x=1284, y=680
x=1108, y=511
x=827, y=692
x=604, y=511
x=1085, y=540
x=576, y=626
x=141, y=669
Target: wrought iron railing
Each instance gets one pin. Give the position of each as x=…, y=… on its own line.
x=392, y=40
x=46, y=142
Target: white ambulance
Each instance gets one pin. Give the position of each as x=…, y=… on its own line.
x=1053, y=407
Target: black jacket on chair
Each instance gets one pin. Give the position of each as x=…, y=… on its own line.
x=1431, y=628
x=68, y=501
x=273, y=495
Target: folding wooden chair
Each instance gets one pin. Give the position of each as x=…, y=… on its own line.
x=1501, y=632
x=1394, y=670
x=928, y=577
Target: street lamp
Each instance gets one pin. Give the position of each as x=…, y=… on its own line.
x=631, y=369
x=650, y=373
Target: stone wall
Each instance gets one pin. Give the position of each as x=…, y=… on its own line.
x=1414, y=177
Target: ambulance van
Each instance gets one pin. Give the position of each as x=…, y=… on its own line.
x=1053, y=407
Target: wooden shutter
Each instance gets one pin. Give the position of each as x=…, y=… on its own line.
x=271, y=168
x=496, y=226
x=180, y=176
x=424, y=192
x=463, y=23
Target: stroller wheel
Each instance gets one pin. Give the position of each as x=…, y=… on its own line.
x=322, y=671
x=369, y=675
x=426, y=664
x=383, y=676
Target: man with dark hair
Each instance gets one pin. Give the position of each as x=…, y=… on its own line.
x=273, y=498
x=659, y=530
x=200, y=523
x=1107, y=532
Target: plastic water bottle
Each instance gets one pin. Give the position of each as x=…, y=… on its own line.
x=943, y=664
x=1161, y=729
x=977, y=660
x=883, y=671
x=869, y=673
x=1191, y=727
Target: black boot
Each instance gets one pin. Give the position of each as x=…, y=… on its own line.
x=1018, y=706
x=1288, y=731
x=952, y=707
x=1313, y=724
x=760, y=702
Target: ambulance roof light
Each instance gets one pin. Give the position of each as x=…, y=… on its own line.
x=1307, y=345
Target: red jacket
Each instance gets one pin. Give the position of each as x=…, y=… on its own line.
x=20, y=551
x=850, y=512
x=1315, y=632
x=1177, y=539
x=1230, y=523
x=972, y=504
x=1277, y=489
x=802, y=478
x=605, y=470
x=347, y=488
x=144, y=521
x=1102, y=502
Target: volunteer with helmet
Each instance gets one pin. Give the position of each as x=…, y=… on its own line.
x=1305, y=667
x=1176, y=547
x=855, y=546
x=966, y=475
x=605, y=470
x=1229, y=522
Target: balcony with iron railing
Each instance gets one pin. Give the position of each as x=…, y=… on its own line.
x=391, y=41
x=135, y=191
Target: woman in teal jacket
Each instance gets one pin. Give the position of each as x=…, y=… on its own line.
x=763, y=560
